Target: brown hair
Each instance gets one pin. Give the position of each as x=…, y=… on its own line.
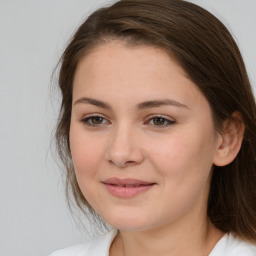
x=207, y=52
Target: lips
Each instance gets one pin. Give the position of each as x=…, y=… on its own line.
x=127, y=188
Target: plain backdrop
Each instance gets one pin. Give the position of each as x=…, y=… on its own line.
x=34, y=218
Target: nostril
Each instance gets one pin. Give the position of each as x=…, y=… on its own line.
x=121, y=164
x=129, y=162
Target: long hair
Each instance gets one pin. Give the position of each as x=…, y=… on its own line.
x=205, y=49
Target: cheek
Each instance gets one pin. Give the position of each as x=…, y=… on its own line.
x=184, y=154
x=184, y=163
x=86, y=152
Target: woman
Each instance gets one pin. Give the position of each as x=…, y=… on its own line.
x=157, y=131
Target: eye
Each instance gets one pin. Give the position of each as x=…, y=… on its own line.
x=160, y=121
x=94, y=120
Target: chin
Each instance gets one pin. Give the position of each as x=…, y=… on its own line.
x=126, y=222
x=131, y=227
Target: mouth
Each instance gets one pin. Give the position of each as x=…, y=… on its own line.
x=127, y=188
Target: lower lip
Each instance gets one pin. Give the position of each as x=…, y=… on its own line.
x=127, y=192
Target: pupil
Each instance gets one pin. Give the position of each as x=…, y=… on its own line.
x=97, y=120
x=159, y=121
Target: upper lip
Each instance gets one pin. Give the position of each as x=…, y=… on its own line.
x=127, y=181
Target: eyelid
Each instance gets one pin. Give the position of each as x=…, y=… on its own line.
x=86, y=118
x=170, y=121
x=93, y=115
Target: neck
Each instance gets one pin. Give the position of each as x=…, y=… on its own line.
x=197, y=238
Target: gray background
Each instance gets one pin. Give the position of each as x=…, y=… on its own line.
x=34, y=219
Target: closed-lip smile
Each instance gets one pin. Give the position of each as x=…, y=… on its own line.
x=127, y=188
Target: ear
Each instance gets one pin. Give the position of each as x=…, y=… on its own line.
x=231, y=139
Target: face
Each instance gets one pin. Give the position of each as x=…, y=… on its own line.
x=142, y=138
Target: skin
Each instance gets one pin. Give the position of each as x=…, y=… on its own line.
x=176, y=153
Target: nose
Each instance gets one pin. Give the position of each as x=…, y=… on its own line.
x=124, y=148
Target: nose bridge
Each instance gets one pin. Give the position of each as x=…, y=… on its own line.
x=123, y=147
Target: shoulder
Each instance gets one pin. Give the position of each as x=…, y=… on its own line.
x=96, y=247
x=230, y=245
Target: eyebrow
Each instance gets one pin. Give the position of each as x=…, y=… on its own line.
x=140, y=106
x=97, y=103
x=159, y=103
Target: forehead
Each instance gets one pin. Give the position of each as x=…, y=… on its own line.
x=121, y=55
x=121, y=71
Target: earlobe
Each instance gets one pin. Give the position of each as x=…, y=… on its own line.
x=231, y=140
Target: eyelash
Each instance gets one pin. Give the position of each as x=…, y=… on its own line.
x=88, y=120
x=167, y=122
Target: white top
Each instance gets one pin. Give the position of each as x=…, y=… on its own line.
x=227, y=246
